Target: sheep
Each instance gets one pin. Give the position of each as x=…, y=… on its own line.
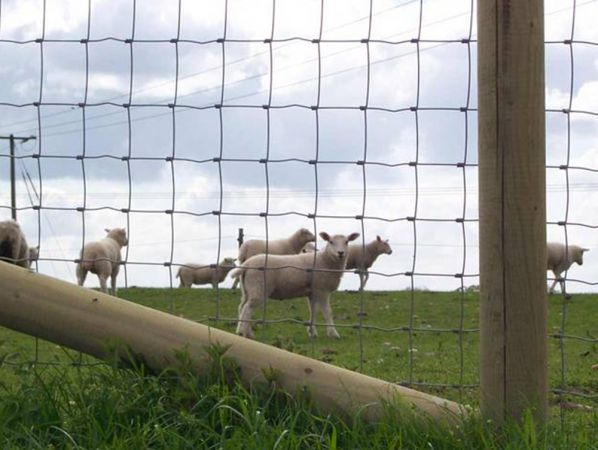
x=559, y=258
x=201, y=274
x=13, y=245
x=289, y=246
x=315, y=275
x=310, y=247
x=362, y=257
x=103, y=258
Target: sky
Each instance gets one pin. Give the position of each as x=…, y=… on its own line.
x=152, y=73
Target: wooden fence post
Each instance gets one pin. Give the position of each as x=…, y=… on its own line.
x=512, y=208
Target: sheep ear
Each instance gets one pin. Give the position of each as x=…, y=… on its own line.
x=107, y=230
x=325, y=236
x=378, y=238
x=585, y=250
x=353, y=236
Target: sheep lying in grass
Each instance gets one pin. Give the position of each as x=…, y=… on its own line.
x=289, y=246
x=203, y=274
x=362, y=257
x=315, y=275
x=13, y=245
x=559, y=259
x=103, y=258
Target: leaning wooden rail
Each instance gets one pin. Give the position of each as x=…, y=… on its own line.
x=85, y=320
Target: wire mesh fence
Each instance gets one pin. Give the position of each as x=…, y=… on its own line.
x=185, y=122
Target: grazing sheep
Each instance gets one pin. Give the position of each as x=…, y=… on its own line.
x=362, y=257
x=289, y=246
x=103, y=258
x=13, y=245
x=201, y=274
x=310, y=247
x=314, y=275
x=559, y=259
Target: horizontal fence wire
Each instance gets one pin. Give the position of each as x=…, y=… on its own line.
x=176, y=106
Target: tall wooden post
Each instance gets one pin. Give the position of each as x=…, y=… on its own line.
x=512, y=196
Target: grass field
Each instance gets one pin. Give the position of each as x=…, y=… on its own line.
x=434, y=353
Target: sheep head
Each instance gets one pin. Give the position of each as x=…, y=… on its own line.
x=579, y=255
x=338, y=244
x=309, y=248
x=304, y=236
x=382, y=246
x=33, y=255
x=228, y=262
x=119, y=235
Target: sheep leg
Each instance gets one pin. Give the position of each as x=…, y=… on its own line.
x=365, y=280
x=81, y=274
x=245, y=311
x=327, y=313
x=361, y=277
x=103, y=278
x=235, y=283
x=244, y=324
x=556, y=280
x=311, y=328
x=113, y=284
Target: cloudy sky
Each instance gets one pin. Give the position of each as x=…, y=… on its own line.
x=291, y=75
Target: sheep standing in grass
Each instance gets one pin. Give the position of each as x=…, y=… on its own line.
x=315, y=275
x=362, y=257
x=559, y=258
x=103, y=258
x=13, y=245
x=203, y=274
x=289, y=246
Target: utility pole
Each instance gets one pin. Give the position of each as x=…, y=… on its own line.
x=13, y=192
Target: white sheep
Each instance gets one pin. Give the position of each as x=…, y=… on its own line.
x=315, y=275
x=203, y=274
x=362, y=257
x=559, y=258
x=103, y=258
x=288, y=246
x=13, y=245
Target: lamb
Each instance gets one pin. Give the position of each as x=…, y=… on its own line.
x=289, y=246
x=13, y=245
x=559, y=258
x=103, y=258
x=362, y=257
x=203, y=274
x=315, y=275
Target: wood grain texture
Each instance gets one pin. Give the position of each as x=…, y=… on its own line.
x=87, y=320
x=512, y=208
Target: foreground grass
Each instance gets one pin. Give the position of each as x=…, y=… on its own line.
x=442, y=348
x=125, y=409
